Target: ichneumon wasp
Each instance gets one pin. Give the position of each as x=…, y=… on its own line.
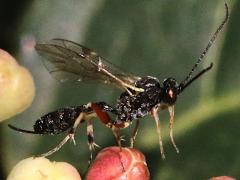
x=69, y=61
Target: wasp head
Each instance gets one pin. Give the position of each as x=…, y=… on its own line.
x=170, y=91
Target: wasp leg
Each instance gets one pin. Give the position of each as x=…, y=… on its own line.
x=104, y=117
x=70, y=136
x=116, y=133
x=90, y=137
x=134, y=133
x=101, y=114
x=171, y=113
x=157, y=121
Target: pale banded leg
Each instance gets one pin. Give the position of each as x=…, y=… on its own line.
x=134, y=133
x=90, y=137
x=116, y=133
x=157, y=121
x=171, y=113
x=70, y=136
x=55, y=149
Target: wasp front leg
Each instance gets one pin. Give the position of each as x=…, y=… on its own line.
x=171, y=121
x=154, y=112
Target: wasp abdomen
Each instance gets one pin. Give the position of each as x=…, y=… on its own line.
x=58, y=121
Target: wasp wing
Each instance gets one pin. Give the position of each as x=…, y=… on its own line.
x=69, y=61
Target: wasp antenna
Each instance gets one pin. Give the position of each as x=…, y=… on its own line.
x=183, y=86
x=21, y=130
x=210, y=43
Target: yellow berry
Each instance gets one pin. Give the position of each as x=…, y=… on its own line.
x=41, y=168
x=17, y=88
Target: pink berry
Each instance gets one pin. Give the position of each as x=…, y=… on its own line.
x=119, y=163
x=222, y=178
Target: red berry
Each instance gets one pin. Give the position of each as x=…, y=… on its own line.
x=119, y=163
x=222, y=178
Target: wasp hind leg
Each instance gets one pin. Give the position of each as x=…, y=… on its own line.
x=70, y=136
x=90, y=137
x=102, y=109
x=55, y=149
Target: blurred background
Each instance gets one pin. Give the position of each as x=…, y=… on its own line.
x=158, y=38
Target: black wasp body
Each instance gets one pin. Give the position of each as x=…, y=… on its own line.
x=58, y=121
x=128, y=108
x=69, y=61
x=133, y=107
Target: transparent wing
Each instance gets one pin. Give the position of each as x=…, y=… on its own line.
x=69, y=61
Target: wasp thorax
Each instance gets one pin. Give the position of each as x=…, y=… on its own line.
x=170, y=91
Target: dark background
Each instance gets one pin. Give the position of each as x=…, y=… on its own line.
x=158, y=38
